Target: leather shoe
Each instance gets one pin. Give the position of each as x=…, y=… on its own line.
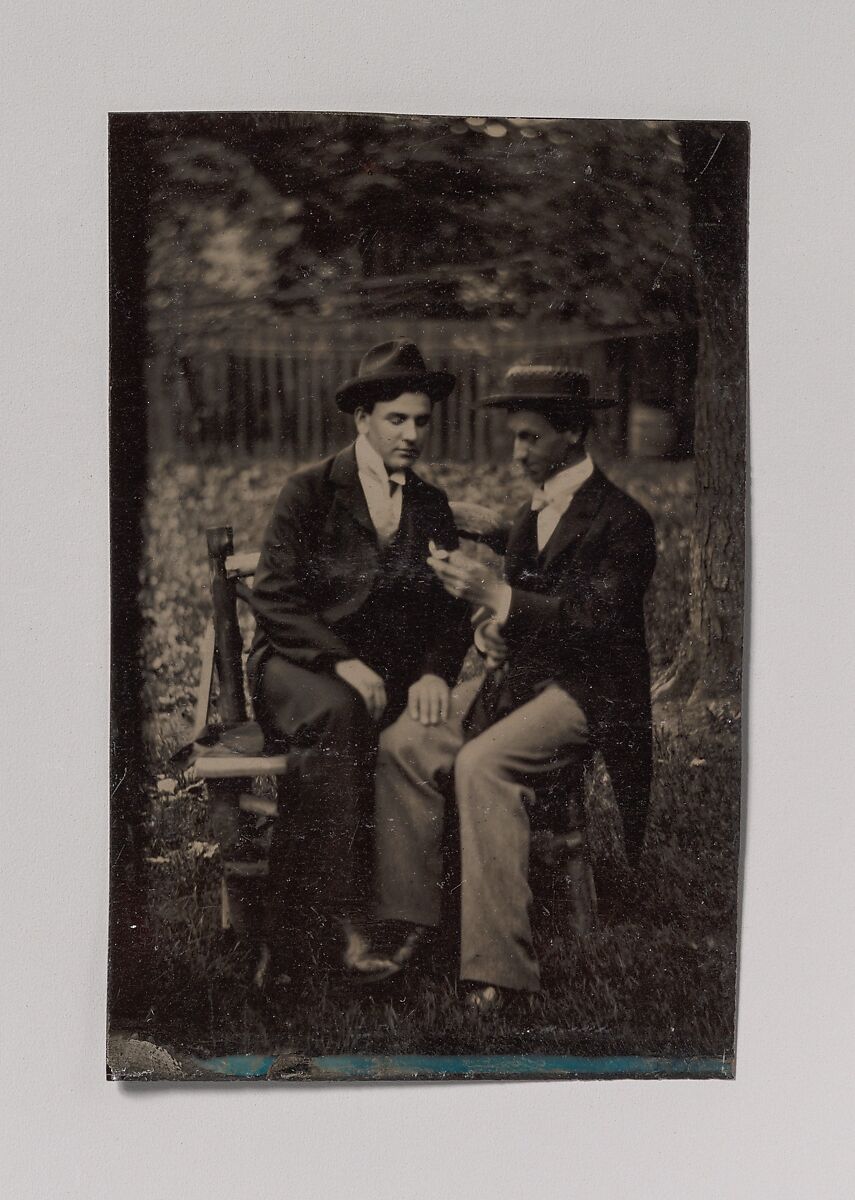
x=485, y=1000
x=362, y=962
x=414, y=941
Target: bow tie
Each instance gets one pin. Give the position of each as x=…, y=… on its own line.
x=539, y=500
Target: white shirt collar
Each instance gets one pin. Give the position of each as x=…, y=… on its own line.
x=560, y=489
x=369, y=462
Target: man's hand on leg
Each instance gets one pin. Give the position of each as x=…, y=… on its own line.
x=429, y=699
x=366, y=682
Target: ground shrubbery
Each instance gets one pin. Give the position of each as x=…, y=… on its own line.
x=658, y=974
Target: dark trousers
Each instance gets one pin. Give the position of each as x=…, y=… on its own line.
x=320, y=851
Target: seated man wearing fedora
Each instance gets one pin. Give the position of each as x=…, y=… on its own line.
x=352, y=626
x=565, y=639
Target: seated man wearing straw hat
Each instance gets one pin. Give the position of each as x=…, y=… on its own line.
x=565, y=638
x=352, y=626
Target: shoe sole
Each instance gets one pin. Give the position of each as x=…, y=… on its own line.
x=374, y=975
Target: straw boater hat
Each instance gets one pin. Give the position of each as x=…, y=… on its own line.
x=388, y=370
x=550, y=390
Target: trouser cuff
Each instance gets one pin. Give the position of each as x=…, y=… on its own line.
x=410, y=916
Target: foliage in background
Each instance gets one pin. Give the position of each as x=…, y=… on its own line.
x=361, y=216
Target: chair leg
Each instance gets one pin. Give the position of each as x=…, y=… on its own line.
x=576, y=882
x=561, y=866
x=262, y=966
x=226, y=917
x=562, y=872
x=228, y=825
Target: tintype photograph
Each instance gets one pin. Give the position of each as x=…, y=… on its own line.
x=428, y=488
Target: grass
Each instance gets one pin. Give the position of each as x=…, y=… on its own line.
x=657, y=977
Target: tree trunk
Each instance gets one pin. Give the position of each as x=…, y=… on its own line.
x=709, y=664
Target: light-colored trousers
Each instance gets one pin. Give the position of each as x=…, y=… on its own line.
x=495, y=776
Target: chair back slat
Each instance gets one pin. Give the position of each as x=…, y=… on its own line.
x=227, y=635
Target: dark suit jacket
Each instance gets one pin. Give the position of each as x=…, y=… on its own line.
x=577, y=619
x=325, y=591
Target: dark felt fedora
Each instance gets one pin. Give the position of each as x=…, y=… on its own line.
x=546, y=389
x=389, y=369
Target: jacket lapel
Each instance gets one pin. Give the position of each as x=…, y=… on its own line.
x=353, y=540
x=345, y=477
x=577, y=519
x=521, y=550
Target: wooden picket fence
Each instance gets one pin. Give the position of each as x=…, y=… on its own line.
x=274, y=388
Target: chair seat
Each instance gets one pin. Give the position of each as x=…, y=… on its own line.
x=238, y=752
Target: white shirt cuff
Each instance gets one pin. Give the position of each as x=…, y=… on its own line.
x=503, y=609
x=478, y=636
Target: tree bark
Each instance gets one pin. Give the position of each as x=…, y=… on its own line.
x=709, y=664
